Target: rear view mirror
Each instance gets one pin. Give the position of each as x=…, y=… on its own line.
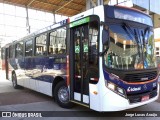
x=105, y=41
x=105, y=37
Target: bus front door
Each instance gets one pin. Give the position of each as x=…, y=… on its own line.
x=79, y=64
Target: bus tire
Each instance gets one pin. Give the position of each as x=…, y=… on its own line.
x=61, y=95
x=14, y=81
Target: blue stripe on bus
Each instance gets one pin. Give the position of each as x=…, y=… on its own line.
x=144, y=87
x=44, y=78
x=47, y=78
x=41, y=68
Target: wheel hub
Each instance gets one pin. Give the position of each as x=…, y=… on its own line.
x=13, y=81
x=63, y=94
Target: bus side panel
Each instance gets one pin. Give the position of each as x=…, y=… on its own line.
x=49, y=68
x=29, y=70
x=19, y=70
x=43, y=80
x=41, y=71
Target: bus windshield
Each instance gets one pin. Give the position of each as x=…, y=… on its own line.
x=130, y=48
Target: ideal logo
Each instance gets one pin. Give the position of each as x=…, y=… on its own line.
x=143, y=79
x=130, y=89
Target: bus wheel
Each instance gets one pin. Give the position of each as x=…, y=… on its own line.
x=14, y=81
x=61, y=95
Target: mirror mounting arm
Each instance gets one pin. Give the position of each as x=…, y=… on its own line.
x=102, y=23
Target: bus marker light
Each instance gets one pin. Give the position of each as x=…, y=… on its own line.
x=120, y=90
x=95, y=92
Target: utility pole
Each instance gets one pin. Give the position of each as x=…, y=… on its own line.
x=28, y=28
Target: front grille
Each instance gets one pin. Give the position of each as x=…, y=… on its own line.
x=140, y=77
x=138, y=98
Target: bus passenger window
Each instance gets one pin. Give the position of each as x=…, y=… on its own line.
x=93, y=51
x=93, y=44
x=19, y=49
x=11, y=51
x=41, y=47
x=3, y=53
x=57, y=42
x=28, y=48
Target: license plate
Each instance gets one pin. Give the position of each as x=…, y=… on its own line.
x=145, y=98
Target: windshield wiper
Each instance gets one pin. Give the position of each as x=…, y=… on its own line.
x=130, y=32
x=145, y=32
x=128, y=27
x=104, y=51
x=125, y=27
x=137, y=38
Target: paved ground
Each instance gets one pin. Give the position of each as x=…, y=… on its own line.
x=28, y=100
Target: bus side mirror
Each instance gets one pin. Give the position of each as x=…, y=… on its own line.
x=105, y=37
x=105, y=41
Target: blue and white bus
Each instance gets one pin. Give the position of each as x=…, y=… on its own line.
x=102, y=58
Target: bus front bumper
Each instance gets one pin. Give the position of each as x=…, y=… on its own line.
x=114, y=102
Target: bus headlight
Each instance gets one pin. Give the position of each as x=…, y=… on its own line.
x=120, y=90
x=111, y=86
x=115, y=88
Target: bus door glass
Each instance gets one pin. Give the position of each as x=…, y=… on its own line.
x=80, y=42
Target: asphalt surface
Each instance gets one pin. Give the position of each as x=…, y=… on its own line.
x=28, y=100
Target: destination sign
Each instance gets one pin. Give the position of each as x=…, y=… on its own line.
x=132, y=16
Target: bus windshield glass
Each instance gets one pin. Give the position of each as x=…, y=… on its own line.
x=130, y=48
